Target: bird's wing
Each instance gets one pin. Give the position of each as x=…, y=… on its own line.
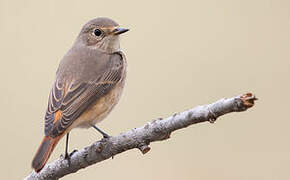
x=66, y=105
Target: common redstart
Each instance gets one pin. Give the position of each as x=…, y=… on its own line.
x=88, y=84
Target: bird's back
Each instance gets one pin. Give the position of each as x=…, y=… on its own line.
x=84, y=64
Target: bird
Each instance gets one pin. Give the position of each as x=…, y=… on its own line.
x=88, y=84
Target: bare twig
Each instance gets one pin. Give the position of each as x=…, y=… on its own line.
x=157, y=130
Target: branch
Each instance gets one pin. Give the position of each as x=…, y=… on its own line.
x=140, y=138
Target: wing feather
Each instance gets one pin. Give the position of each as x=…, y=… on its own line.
x=79, y=96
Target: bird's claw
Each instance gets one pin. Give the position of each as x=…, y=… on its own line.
x=68, y=156
x=106, y=136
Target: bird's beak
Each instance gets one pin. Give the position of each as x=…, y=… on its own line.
x=119, y=30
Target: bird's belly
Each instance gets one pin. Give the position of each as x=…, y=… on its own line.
x=101, y=108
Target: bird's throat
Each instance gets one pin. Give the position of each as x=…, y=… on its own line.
x=110, y=44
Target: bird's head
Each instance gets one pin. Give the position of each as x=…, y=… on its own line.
x=102, y=34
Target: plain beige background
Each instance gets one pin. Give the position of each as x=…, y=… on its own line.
x=180, y=54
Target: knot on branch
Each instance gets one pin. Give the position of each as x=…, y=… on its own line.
x=99, y=148
x=212, y=116
x=144, y=148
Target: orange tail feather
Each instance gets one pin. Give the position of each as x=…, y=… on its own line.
x=44, y=151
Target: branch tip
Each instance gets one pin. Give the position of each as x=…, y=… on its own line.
x=248, y=99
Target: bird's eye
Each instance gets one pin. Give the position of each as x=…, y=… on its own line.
x=97, y=32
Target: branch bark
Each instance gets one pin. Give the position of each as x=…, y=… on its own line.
x=157, y=130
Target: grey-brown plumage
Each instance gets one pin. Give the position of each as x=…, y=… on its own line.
x=88, y=84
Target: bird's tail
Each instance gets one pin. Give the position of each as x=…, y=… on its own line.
x=43, y=153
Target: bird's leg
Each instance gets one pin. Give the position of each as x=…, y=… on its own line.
x=105, y=135
x=66, y=156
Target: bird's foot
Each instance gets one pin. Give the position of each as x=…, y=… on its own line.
x=68, y=156
x=106, y=136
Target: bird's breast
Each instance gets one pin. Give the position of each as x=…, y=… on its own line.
x=102, y=107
